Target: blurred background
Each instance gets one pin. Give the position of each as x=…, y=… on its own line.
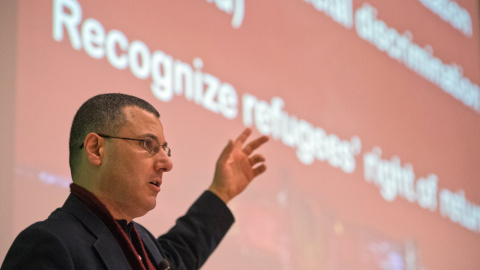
x=373, y=109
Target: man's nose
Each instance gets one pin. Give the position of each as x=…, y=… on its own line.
x=163, y=161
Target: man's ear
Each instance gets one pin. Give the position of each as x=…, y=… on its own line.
x=94, y=146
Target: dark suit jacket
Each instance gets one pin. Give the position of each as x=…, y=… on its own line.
x=73, y=237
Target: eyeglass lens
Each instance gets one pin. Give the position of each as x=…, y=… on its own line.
x=152, y=146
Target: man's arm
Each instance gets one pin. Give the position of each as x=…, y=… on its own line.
x=195, y=236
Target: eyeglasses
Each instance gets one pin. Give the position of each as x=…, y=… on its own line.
x=150, y=144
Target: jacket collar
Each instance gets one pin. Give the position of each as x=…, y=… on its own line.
x=105, y=245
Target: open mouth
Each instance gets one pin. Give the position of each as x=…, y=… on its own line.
x=155, y=183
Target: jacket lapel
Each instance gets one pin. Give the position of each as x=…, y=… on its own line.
x=110, y=252
x=106, y=245
x=150, y=246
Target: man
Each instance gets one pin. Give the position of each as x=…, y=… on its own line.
x=118, y=155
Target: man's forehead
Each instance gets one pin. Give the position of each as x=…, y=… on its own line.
x=134, y=111
x=142, y=121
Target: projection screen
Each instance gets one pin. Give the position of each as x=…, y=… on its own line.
x=372, y=109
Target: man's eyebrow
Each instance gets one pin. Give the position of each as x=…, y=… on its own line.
x=153, y=136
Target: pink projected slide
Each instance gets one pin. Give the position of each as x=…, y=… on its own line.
x=372, y=109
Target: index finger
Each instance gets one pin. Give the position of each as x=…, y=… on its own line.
x=251, y=146
x=242, y=138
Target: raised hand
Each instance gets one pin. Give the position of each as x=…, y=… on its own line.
x=237, y=166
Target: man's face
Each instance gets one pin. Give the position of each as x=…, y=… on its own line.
x=130, y=177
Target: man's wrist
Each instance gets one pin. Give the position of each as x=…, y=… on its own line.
x=225, y=198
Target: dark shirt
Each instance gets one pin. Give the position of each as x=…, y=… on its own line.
x=126, y=227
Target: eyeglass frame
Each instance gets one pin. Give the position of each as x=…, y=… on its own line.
x=164, y=146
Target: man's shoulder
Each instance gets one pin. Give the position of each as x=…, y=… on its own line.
x=62, y=241
x=62, y=224
x=58, y=222
x=57, y=230
x=72, y=224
